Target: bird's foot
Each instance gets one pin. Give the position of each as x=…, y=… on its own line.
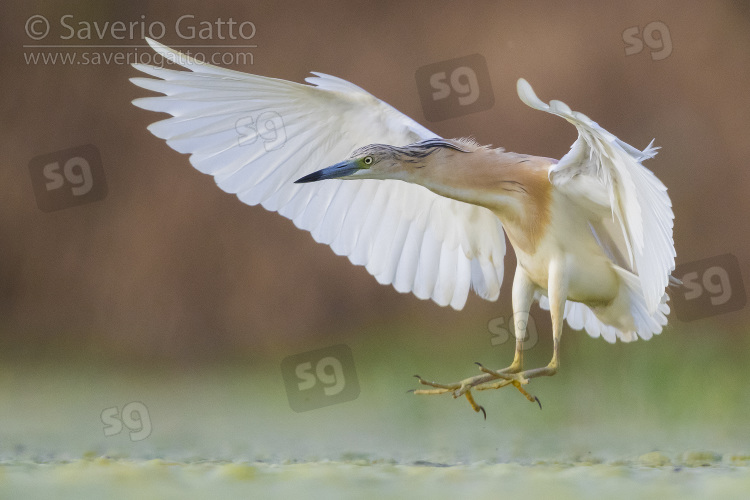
x=490, y=379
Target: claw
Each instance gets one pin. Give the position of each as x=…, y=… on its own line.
x=491, y=379
x=474, y=404
x=497, y=374
x=443, y=387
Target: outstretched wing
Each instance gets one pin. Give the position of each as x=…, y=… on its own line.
x=604, y=174
x=257, y=135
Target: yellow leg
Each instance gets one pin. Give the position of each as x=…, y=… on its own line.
x=514, y=383
x=523, y=292
x=490, y=379
x=495, y=379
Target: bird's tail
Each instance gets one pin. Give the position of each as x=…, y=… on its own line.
x=627, y=318
x=645, y=324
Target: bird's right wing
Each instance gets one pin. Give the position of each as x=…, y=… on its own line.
x=605, y=175
x=256, y=135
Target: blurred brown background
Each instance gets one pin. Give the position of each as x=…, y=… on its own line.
x=169, y=266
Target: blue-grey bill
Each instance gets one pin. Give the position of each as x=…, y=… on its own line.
x=341, y=169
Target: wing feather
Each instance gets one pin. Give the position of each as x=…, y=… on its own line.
x=605, y=175
x=256, y=135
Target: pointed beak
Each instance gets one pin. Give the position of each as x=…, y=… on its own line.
x=341, y=169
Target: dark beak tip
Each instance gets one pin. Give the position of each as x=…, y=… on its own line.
x=308, y=178
x=336, y=171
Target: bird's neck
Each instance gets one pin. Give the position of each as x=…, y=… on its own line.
x=514, y=187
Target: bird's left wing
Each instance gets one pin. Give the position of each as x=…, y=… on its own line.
x=605, y=175
x=257, y=135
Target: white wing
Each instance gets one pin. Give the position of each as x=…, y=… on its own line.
x=605, y=175
x=257, y=135
x=581, y=317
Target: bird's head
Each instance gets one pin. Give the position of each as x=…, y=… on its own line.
x=381, y=161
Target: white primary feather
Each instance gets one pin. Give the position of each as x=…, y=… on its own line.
x=580, y=317
x=605, y=175
x=403, y=233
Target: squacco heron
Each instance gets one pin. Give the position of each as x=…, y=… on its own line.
x=592, y=232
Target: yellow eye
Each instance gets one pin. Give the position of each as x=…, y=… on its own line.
x=368, y=160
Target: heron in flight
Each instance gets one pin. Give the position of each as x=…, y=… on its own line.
x=592, y=232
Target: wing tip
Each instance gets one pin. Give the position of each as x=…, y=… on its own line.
x=528, y=96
